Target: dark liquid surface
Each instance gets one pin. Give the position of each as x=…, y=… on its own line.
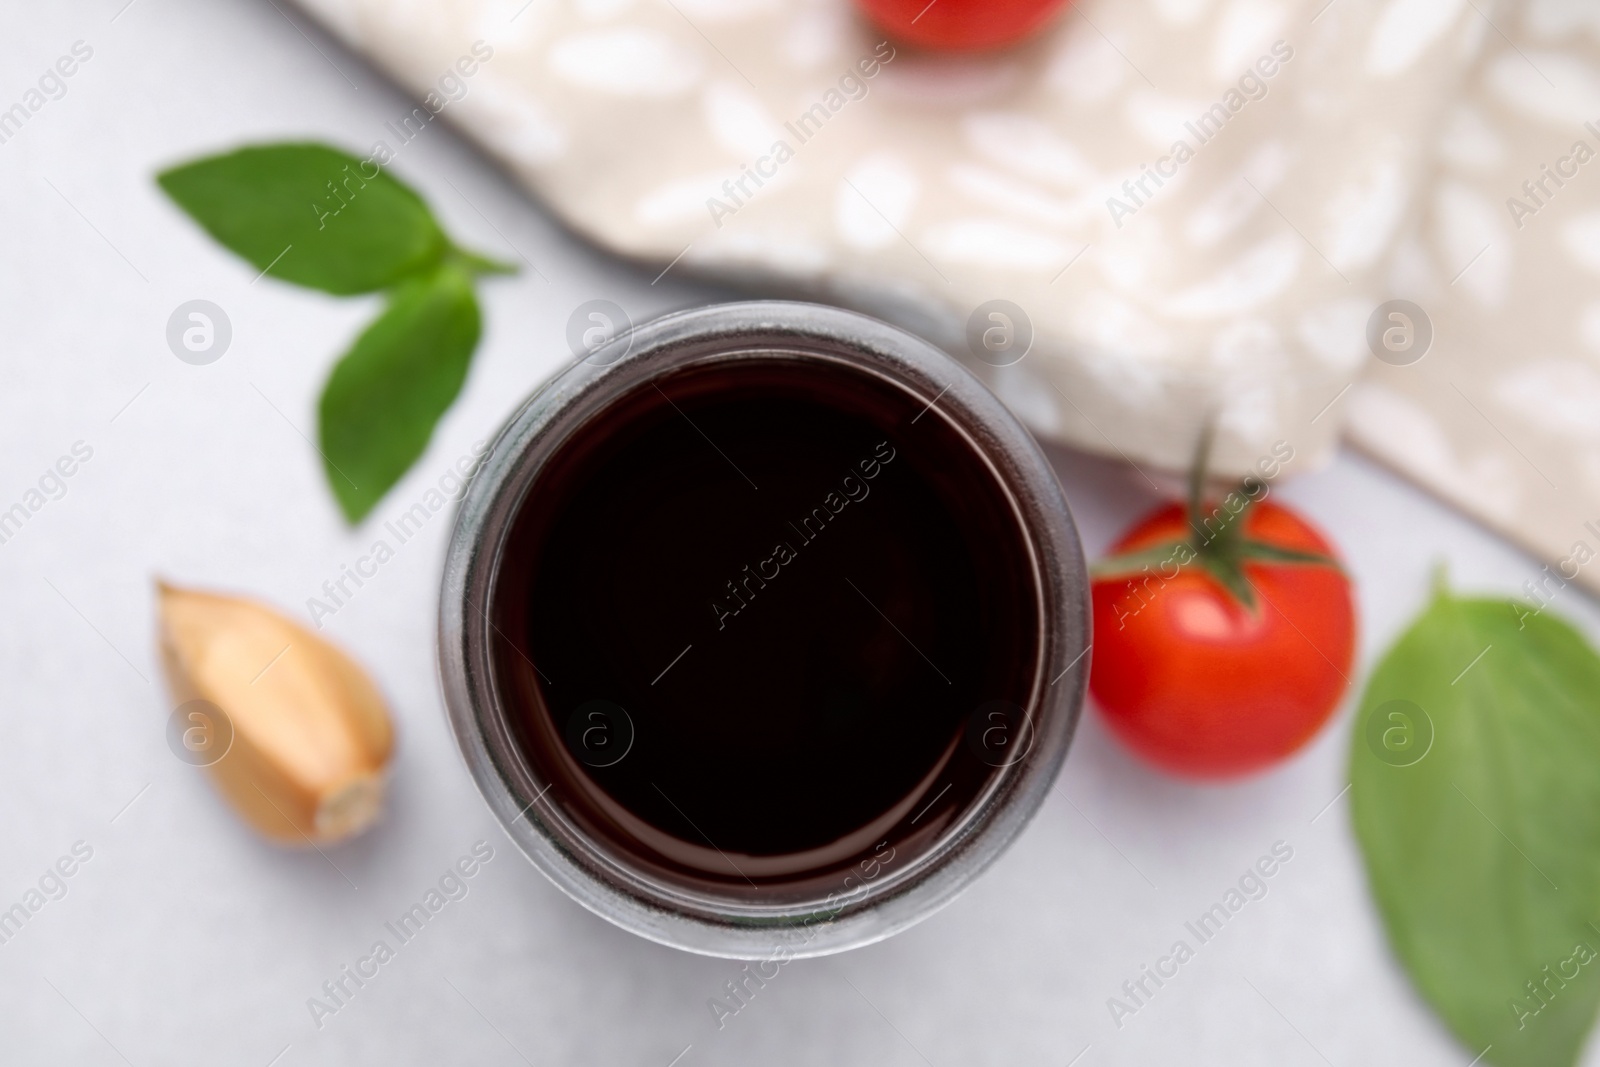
x=747, y=617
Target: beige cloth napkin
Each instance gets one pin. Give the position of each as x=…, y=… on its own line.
x=1194, y=208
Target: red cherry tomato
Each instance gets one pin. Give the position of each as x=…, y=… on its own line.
x=1201, y=683
x=959, y=25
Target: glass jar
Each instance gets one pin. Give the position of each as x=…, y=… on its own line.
x=875, y=902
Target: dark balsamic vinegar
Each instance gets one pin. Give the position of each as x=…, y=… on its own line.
x=747, y=615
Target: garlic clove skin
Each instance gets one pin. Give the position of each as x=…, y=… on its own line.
x=311, y=734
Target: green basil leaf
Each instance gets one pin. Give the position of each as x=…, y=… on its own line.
x=1475, y=775
x=384, y=396
x=310, y=214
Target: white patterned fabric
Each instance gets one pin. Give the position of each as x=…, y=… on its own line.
x=1314, y=160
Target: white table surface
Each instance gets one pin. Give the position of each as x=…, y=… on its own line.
x=187, y=940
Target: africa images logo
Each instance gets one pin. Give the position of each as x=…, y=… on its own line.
x=852, y=85
x=1252, y=85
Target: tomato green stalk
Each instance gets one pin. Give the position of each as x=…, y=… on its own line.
x=1217, y=543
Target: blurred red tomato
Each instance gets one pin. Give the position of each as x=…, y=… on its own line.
x=1221, y=644
x=959, y=25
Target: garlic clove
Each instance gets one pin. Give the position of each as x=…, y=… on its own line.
x=311, y=734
